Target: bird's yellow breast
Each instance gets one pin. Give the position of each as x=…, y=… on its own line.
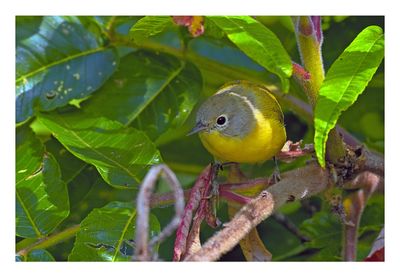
x=260, y=144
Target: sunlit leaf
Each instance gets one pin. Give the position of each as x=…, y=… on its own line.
x=63, y=61
x=345, y=80
x=42, y=197
x=107, y=234
x=259, y=43
x=121, y=155
x=149, y=26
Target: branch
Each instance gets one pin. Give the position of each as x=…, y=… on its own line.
x=143, y=247
x=295, y=184
x=373, y=162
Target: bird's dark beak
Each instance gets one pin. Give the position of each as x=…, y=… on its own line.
x=199, y=127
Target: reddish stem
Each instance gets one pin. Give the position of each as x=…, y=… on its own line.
x=231, y=196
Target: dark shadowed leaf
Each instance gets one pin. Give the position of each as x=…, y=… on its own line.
x=107, y=234
x=63, y=61
x=163, y=118
x=26, y=26
x=39, y=255
x=325, y=233
x=121, y=155
x=259, y=43
x=70, y=166
x=345, y=81
x=42, y=197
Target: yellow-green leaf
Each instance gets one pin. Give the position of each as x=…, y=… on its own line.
x=345, y=80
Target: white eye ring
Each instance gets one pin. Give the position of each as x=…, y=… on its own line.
x=222, y=120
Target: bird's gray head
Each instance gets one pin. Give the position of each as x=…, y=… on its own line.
x=226, y=112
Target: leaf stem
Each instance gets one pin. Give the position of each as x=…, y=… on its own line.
x=27, y=245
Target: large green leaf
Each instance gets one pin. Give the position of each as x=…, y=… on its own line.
x=155, y=92
x=259, y=43
x=345, y=81
x=63, y=61
x=107, y=234
x=42, y=197
x=149, y=26
x=121, y=155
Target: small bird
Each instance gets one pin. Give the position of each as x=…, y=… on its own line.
x=242, y=122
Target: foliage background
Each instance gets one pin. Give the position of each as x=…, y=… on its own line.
x=135, y=90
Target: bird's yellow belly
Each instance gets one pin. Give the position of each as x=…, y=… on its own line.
x=261, y=144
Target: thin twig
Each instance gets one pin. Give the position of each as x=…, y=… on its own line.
x=49, y=241
x=143, y=247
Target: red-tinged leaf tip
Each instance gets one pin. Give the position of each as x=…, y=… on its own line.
x=195, y=24
x=377, y=256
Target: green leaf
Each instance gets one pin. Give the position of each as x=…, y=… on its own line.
x=63, y=61
x=26, y=26
x=42, y=197
x=70, y=166
x=121, y=155
x=149, y=26
x=325, y=233
x=259, y=43
x=39, y=255
x=372, y=222
x=107, y=234
x=155, y=92
x=163, y=118
x=345, y=81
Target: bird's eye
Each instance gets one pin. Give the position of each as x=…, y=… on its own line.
x=221, y=120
